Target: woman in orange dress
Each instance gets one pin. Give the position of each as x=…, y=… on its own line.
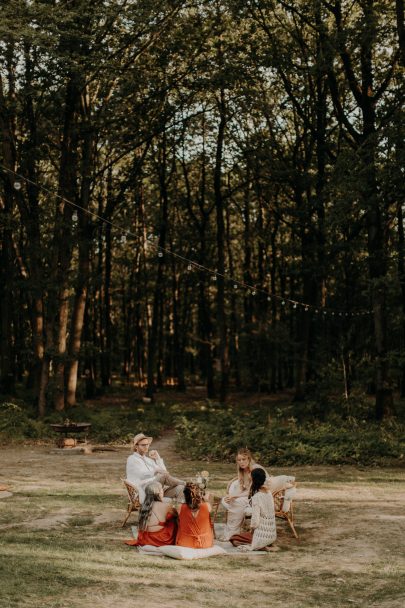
x=157, y=519
x=195, y=529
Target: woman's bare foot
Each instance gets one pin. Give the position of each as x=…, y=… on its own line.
x=272, y=549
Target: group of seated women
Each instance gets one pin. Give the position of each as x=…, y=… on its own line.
x=190, y=526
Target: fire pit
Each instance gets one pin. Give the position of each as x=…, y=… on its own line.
x=68, y=427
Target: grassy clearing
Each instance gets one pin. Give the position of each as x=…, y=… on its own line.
x=61, y=544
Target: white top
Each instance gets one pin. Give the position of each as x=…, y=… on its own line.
x=141, y=470
x=263, y=521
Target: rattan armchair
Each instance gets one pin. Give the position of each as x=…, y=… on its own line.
x=283, y=507
x=133, y=499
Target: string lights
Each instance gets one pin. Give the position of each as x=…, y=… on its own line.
x=190, y=264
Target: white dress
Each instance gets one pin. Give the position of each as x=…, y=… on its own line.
x=263, y=521
x=236, y=508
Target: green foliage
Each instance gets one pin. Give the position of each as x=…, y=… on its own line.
x=108, y=423
x=15, y=423
x=278, y=441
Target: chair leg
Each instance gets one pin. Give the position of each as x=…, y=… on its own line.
x=291, y=524
x=130, y=509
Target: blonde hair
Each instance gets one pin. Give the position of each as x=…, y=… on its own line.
x=243, y=475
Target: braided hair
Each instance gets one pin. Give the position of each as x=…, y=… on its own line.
x=258, y=479
x=152, y=494
x=193, y=496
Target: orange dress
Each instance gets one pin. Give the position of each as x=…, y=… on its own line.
x=165, y=536
x=195, y=532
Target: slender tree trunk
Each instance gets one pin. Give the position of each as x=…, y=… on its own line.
x=401, y=29
x=7, y=374
x=154, y=329
x=219, y=206
x=84, y=238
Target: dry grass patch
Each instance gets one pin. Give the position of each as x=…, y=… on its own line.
x=61, y=544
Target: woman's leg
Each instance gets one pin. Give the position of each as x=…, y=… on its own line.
x=244, y=538
x=235, y=516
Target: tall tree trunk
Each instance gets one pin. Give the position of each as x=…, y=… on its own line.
x=84, y=238
x=157, y=298
x=7, y=374
x=63, y=235
x=219, y=206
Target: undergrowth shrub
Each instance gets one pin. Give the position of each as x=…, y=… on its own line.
x=16, y=423
x=108, y=423
x=284, y=442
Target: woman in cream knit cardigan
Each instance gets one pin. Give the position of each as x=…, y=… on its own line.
x=263, y=523
x=237, y=497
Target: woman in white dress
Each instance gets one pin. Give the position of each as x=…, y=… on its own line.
x=263, y=523
x=237, y=498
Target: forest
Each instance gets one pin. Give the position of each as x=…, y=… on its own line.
x=203, y=192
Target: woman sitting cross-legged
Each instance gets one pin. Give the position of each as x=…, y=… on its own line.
x=263, y=523
x=236, y=499
x=157, y=524
x=195, y=528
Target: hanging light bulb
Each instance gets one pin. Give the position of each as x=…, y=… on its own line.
x=75, y=216
x=283, y=303
x=306, y=308
x=160, y=254
x=295, y=305
x=123, y=239
x=268, y=298
x=17, y=185
x=253, y=293
x=235, y=286
x=214, y=277
x=189, y=267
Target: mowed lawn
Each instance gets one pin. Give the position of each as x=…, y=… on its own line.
x=61, y=541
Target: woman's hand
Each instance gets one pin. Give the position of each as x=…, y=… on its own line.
x=154, y=454
x=228, y=499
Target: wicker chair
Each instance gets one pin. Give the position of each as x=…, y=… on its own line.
x=288, y=514
x=279, y=503
x=133, y=499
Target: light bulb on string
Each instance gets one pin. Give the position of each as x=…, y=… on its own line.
x=214, y=277
x=123, y=239
x=253, y=293
x=283, y=303
x=160, y=254
x=189, y=267
x=235, y=286
x=75, y=217
x=268, y=298
x=295, y=305
x=306, y=308
x=17, y=185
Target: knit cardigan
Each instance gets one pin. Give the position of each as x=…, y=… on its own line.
x=263, y=521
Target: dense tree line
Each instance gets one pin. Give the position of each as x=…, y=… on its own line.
x=203, y=191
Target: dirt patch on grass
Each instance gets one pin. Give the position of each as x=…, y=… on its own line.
x=66, y=513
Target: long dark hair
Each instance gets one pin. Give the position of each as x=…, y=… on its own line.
x=258, y=479
x=152, y=494
x=193, y=496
